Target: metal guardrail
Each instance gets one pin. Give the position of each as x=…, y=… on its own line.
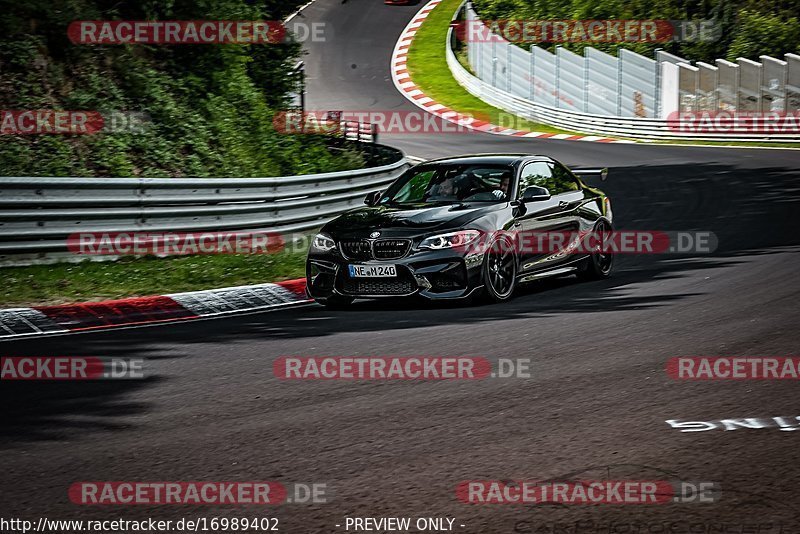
x=38, y=214
x=605, y=125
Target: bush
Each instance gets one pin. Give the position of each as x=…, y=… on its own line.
x=766, y=34
x=748, y=28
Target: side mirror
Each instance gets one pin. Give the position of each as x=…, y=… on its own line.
x=372, y=198
x=535, y=193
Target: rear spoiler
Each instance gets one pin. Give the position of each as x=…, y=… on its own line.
x=602, y=173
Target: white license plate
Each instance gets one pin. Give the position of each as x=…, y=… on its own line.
x=372, y=271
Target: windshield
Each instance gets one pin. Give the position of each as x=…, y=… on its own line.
x=450, y=184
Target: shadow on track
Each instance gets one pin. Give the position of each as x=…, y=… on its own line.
x=52, y=410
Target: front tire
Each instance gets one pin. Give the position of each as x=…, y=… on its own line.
x=499, y=271
x=599, y=264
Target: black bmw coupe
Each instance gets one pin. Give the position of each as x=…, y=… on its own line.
x=461, y=227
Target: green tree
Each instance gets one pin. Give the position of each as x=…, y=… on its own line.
x=746, y=28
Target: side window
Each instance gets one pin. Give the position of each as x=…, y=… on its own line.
x=563, y=181
x=414, y=189
x=536, y=173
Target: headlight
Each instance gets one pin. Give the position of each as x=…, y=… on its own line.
x=453, y=239
x=323, y=242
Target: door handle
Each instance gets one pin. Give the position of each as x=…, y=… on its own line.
x=563, y=204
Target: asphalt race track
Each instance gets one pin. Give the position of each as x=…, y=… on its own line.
x=595, y=406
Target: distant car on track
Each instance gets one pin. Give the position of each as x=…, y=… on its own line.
x=448, y=229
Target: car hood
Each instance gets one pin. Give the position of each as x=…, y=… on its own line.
x=408, y=219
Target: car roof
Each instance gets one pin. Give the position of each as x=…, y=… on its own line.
x=481, y=159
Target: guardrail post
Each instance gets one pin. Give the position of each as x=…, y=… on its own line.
x=706, y=87
x=140, y=190
x=727, y=89
x=494, y=63
x=750, y=73
x=532, y=69
x=792, y=82
x=558, y=78
x=687, y=86
x=619, y=83
x=477, y=47
x=657, y=100
x=773, y=84
x=585, y=82
x=508, y=66
x=299, y=74
x=669, y=97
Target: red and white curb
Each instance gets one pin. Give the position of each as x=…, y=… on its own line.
x=407, y=87
x=42, y=320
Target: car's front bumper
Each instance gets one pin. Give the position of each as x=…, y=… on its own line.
x=442, y=274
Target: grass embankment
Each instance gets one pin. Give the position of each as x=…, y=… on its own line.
x=130, y=277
